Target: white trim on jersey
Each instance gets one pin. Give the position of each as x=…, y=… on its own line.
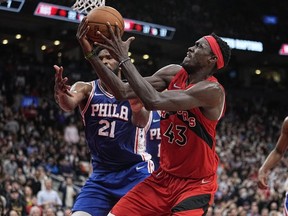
x=103, y=90
x=88, y=102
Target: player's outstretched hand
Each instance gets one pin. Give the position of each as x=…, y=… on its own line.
x=262, y=179
x=82, y=30
x=60, y=86
x=116, y=46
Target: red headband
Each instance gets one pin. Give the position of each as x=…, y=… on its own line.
x=216, y=50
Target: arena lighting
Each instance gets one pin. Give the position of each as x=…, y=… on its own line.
x=284, y=49
x=18, y=36
x=146, y=56
x=12, y=5
x=58, y=12
x=149, y=29
x=270, y=20
x=134, y=26
x=5, y=41
x=248, y=45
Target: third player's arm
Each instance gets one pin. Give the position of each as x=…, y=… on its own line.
x=274, y=157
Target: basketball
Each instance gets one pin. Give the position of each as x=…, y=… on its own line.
x=97, y=20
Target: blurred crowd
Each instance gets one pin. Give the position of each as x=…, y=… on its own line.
x=44, y=159
x=225, y=18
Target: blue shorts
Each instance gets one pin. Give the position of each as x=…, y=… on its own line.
x=103, y=190
x=285, y=209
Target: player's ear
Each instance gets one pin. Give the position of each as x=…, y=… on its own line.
x=213, y=59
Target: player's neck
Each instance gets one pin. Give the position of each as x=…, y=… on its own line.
x=195, y=78
x=105, y=88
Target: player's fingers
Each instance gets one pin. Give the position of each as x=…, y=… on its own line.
x=60, y=72
x=83, y=25
x=58, y=75
x=107, y=41
x=64, y=81
x=262, y=184
x=117, y=30
x=57, y=69
x=262, y=187
x=111, y=32
x=129, y=40
x=84, y=29
x=67, y=90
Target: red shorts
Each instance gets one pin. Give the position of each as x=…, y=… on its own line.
x=164, y=194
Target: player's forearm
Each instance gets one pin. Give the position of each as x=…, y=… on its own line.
x=65, y=102
x=141, y=87
x=109, y=78
x=271, y=161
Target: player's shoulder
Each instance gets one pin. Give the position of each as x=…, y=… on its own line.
x=285, y=124
x=168, y=72
x=171, y=69
x=81, y=86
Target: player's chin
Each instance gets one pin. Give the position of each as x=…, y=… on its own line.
x=186, y=60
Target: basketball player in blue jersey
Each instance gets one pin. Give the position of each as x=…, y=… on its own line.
x=153, y=137
x=116, y=145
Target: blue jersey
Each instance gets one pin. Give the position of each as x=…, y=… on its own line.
x=117, y=149
x=153, y=138
x=114, y=142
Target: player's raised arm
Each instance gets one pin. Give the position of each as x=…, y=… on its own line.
x=274, y=157
x=120, y=90
x=67, y=97
x=110, y=79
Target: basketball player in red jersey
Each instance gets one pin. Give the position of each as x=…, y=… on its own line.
x=191, y=107
x=273, y=159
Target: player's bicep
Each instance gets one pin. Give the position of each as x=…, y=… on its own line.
x=162, y=78
x=80, y=91
x=201, y=95
x=159, y=80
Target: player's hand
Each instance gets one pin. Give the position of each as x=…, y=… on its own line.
x=61, y=86
x=82, y=30
x=262, y=179
x=117, y=48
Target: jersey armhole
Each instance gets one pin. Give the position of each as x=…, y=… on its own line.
x=88, y=101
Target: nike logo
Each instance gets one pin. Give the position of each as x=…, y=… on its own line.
x=175, y=86
x=155, y=120
x=96, y=94
x=204, y=181
x=140, y=167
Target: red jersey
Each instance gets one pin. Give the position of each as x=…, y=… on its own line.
x=188, y=138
